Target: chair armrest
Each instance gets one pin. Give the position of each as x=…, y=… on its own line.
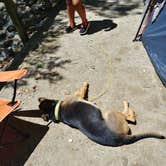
x=6, y=76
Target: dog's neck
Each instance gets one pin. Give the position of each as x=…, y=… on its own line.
x=56, y=110
x=55, y=114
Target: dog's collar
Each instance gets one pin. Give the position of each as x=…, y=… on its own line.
x=56, y=111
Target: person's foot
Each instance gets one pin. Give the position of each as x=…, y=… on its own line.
x=84, y=29
x=69, y=29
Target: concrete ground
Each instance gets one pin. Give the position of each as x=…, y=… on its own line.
x=116, y=68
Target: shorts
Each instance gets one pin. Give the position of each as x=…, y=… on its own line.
x=68, y=2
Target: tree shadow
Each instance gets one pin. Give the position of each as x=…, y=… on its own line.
x=38, y=36
x=114, y=8
x=98, y=25
x=125, y=9
x=17, y=152
x=45, y=68
x=44, y=40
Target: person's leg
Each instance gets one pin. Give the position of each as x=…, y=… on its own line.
x=70, y=12
x=81, y=11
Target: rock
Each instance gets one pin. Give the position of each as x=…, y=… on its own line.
x=16, y=46
x=38, y=76
x=3, y=55
x=2, y=34
x=27, y=9
x=7, y=43
x=16, y=37
x=10, y=35
x=7, y=52
x=2, y=6
x=11, y=28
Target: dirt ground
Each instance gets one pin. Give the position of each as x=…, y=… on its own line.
x=116, y=68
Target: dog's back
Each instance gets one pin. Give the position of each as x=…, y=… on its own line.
x=89, y=119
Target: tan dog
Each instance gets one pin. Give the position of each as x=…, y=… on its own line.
x=110, y=129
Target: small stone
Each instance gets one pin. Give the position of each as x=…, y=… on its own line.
x=70, y=140
x=38, y=76
x=92, y=67
x=34, y=88
x=27, y=9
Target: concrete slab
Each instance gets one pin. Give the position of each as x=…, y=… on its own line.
x=116, y=68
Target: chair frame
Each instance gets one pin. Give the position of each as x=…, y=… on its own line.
x=5, y=118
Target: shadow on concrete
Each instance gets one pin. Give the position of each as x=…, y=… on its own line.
x=98, y=25
x=17, y=152
x=44, y=68
x=27, y=113
x=43, y=41
x=112, y=8
x=38, y=36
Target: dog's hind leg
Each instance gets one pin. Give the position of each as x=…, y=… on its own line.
x=82, y=93
x=129, y=113
x=116, y=122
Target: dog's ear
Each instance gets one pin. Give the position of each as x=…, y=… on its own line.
x=40, y=99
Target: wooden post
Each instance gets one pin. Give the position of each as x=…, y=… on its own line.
x=12, y=11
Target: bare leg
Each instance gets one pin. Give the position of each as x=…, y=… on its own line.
x=71, y=11
x=81, y=11
x=83, y=92
x=129, y=113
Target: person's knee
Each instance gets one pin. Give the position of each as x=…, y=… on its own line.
x=76, y=3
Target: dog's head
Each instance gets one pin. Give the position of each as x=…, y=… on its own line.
x=46, y=107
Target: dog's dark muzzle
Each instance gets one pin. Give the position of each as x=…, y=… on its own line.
x=45, y=117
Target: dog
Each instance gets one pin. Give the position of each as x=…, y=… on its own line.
x=109, y=129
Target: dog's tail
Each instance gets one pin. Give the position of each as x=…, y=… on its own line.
x=129, y=139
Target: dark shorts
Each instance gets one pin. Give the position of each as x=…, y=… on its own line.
x=68, y=2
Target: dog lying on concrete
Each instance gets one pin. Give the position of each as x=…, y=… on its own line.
x=110, y=129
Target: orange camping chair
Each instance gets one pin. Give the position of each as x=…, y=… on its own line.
x=7, y=106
